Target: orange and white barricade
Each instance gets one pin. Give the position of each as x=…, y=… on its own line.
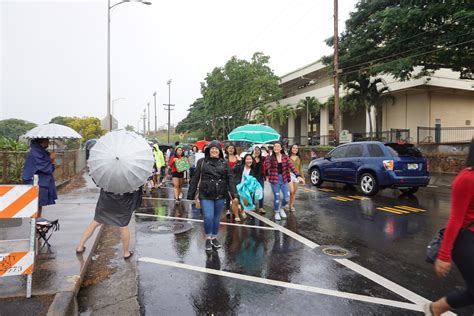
x=19, y=201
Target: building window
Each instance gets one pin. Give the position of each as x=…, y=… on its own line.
x=468, y=122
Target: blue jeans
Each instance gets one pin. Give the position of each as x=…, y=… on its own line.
x=212, y=210
x=262, y=183
x=276, y=188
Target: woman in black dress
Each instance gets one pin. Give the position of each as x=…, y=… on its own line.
x=116, y=210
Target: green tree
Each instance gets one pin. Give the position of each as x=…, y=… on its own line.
x=264, y=114
x=89, y=127
x=393, y=37
x=230, y=94
x=281, y=113
x=61, y=120
x=129, y=128
x=14, y=128
x=368, y=93
x=313, y=104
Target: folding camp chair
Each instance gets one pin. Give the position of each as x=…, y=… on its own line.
x=45, y=229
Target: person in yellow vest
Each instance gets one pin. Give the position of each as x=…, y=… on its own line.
x=159, y=167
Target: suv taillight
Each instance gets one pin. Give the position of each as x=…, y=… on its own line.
x=388, y=164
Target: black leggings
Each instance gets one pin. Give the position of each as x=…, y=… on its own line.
x=463, y=257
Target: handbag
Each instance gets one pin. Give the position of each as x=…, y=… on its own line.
x=197, y=201
x=435, y=244
x=182, y=164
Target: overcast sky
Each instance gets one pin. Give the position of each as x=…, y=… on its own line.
x=53, y=53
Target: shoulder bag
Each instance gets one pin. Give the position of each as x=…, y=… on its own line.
x=435, y=244
x=197, y=201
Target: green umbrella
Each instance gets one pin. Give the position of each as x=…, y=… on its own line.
x=256, y=133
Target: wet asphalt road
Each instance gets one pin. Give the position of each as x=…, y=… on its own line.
x=386, y=234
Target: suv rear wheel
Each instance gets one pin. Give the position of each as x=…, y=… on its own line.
x=411, y=190
x=315, y=177
x=368, y=184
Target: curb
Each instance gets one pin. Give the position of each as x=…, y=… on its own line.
x=65, y=303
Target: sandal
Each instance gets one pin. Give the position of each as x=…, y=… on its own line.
x=244, y=216
x=129, y=256
x=78, y=252
x=237, y=219
x=261, y=211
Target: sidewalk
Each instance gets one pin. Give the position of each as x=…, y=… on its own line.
x=59, y=272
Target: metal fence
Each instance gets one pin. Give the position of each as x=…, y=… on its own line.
x=390, y=136
x=68, y=163
x=445, y=135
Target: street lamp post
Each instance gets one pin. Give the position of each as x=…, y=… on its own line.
x=307, y=118
x=149, y=130
x=169, y=108
x=154, y=97
x=109, y=8
x=113, y=102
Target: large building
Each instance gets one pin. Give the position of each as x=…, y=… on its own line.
x=441, y=98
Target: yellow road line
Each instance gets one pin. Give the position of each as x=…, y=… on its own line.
x=389, y=211
x=326, y=190
x=358, y=197
x=396, y=209
x=341, y=198
x=409, y=208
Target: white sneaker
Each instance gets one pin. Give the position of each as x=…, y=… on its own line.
x=282, y=214
x=277, y=216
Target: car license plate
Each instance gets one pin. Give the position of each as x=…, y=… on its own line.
x=412, y=166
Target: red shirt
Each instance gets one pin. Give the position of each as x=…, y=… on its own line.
x=271, y=165
x=462, y=211
x=172, y=164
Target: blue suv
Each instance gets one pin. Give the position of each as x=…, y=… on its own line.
x=373, y=166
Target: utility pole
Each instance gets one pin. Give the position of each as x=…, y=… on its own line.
x=144, y=122
x=336, y=120
x=168, y=107
x=156, y=130
x=149, y=130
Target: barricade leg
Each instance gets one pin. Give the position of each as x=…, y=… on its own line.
x=29, y=278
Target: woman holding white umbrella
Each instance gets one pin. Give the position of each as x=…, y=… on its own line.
x=39, y=161
x=42, y=163
x=119, y=163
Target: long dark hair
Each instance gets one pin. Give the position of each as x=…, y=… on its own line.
x=291, y=150
x=226, y=150
x=245, y=157
x=470, y=156
x=273, y=156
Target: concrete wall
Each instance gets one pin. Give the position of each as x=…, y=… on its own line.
x=452, y=108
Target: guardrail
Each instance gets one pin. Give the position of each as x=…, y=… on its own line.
x=445, y=135
x=68, y=163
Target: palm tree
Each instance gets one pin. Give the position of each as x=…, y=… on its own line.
x=368, y=93
x=281, y=114
x=314, y=106
x=264, y=114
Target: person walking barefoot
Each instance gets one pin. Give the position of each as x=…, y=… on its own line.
x=116, y=210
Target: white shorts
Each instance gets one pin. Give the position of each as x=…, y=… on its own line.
x=293, y=177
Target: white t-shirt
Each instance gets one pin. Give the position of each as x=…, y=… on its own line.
x=246, y=172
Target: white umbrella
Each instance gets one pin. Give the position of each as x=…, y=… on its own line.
x=52, y=131
x=120, y=162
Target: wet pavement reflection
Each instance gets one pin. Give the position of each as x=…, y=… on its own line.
x=390, y=244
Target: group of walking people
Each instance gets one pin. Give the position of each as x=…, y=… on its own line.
x=218, y=175
x=216, y=178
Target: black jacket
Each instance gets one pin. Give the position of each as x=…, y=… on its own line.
x=239, y=169
x=215, y=175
